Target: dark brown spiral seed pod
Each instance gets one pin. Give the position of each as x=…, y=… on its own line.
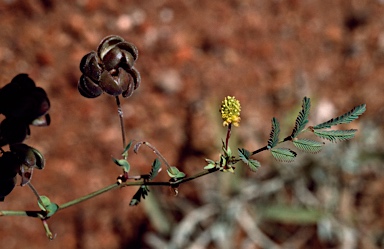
x=110, y=69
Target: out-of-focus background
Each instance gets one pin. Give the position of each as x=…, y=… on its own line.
x=269, y=54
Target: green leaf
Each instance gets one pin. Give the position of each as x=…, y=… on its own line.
x=174, y=172
x=244, y=156
x=122, y=163
x=142, y=192
x=302, y=118
x=210, y=166
x=308, y=145
x=227, y=152
x=156, y=165
x=47, y=205
x=343, y=119
x=283, y=154
x=336, y=135
x=125, y=152
x=274, y=135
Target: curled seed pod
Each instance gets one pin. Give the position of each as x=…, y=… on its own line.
x=130, y=48
x=125, y=76
x=90, y=66
x=23, y=100
x=89, y=88
x=9, y=165
x=13, y=131
x=6, y=187
x=136, y=77
x=24, y=153
x=107, y=44
x=112, y=85
x=116, y=58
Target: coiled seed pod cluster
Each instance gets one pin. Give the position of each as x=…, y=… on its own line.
x=22, y=104
x=110, y=69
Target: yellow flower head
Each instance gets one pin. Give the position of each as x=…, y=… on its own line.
x=230, y=111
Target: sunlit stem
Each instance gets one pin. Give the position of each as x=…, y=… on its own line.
x=120, y=112
x=36, y=194
x=47, y=230
x=89, y=196
x=228, y=136
x=157, y=152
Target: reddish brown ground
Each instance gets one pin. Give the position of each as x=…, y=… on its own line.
x=269, y=54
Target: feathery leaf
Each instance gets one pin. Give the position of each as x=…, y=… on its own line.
x=335, y=135
x=283, y=154
x=343, y=119
x=142, y=192
x=302, y=118
x=308, y=145
x=244, y=156
x=156, y=165
x=274, y=135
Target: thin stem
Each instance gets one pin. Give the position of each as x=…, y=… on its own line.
x=228, y=136
x=38, y=214
x=156, y=151
x=120, y=112
x=36, y=194
x=88, y=196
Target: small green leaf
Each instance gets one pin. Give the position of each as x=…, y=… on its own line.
x=122, y=163
x=174, y=172
x=343, y=119
x=283, y=154
x=335, y=135
x=274, y=135
x=156, y=165
x=47, y=205
x=244, y=156
x=210, y=166
x=125, y=152
x=308, y=145
x=302, y=118
x=142, y=192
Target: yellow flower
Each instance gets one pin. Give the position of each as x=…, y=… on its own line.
x=230, y=111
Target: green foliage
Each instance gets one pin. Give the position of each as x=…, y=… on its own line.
x=123, y=163
x=142, y=192
x=302, y=118
x=175, y=173
x=244, y=155
x=46, y=205
x=307, y=145
x=274, y=135
x=156, y=166
x=126, y=149
x=283, y=154
x=343, y=119
x=335, y=135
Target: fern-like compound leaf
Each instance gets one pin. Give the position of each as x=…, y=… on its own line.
x=335, y=135
x=343, y=119
x=244, y=156
x=283, y=154
x=142, y=192
x=307, y=145
x=156, y=165
x=274, y=135
x=302, y=118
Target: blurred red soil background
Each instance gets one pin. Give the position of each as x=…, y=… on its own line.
x=269, y=54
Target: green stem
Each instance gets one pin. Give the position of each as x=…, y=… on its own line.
x=36, y=194
x=38, y=214
x=88, y=196
x=120, y=112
